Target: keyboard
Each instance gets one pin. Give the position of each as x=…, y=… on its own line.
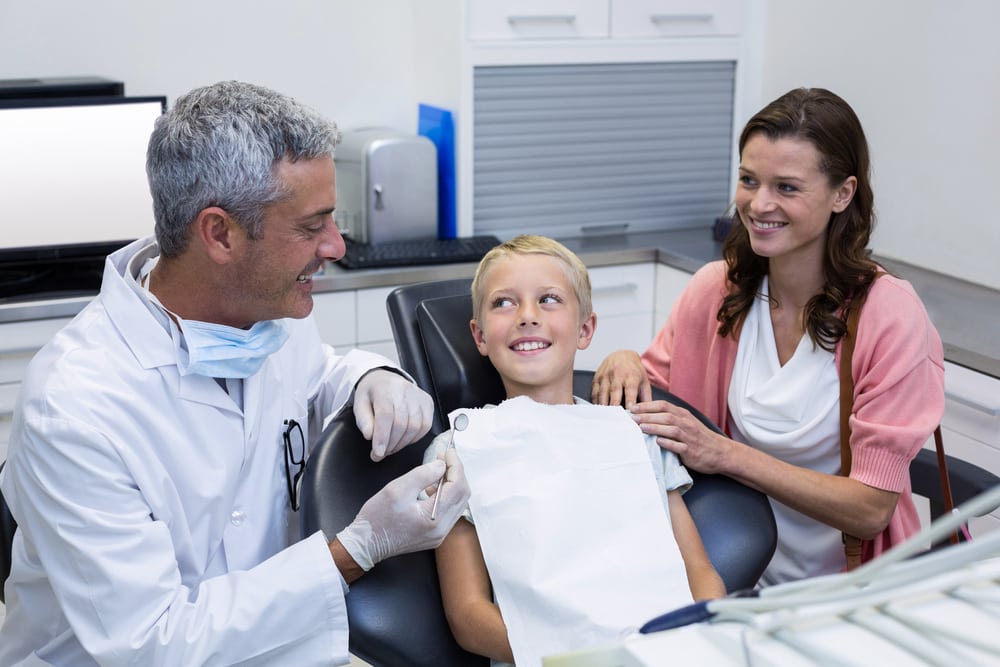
x=416, y=252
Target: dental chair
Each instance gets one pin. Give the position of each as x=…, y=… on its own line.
x=395, y=611
x=430, y=323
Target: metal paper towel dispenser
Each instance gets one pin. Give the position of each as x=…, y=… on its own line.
x=386, y=186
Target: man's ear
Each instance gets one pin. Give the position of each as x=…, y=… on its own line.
x=587, y=330
x=218, y=233
x=478, y=336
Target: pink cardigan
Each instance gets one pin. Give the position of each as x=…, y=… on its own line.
x=898, y=369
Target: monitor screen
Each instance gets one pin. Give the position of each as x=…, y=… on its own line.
x=74, y=182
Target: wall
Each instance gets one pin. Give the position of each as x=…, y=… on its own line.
x=350, y=60
x=924, y=77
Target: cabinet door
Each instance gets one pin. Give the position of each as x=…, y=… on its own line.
x=373, y=319
x=676, y=18
x=670, y=282
x=336, y=316
x=534, y=19
x=971, y=426
x=623, y=301
x=19, y=341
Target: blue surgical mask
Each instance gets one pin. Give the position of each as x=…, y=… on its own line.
x=218, y=351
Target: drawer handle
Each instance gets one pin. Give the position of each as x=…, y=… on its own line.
x=541, y=18
x=610, y=289
x=991, y=410
x=681, y=18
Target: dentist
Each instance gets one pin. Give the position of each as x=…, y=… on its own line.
x=147, y=466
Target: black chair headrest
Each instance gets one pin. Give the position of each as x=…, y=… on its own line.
x=461, y=376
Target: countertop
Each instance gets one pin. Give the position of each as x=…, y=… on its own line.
x=966, y=315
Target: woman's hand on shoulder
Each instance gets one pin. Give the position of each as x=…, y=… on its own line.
x=621, y=379
x=679, y=431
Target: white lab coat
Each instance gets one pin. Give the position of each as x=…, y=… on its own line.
x=153, y=511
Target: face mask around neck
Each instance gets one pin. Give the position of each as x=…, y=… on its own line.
x=218, y=351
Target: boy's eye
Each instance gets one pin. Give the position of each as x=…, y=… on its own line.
x=550, y=298
x=502, y=302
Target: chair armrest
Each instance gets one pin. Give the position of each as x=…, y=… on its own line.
x=967, y=480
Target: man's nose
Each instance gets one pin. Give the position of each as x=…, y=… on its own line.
x=332, y=245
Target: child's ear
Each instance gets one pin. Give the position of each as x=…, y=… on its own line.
x=587, y=330
x=478, y=336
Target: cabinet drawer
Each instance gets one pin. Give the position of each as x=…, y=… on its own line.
x=8, y=397
x=386, y=348
x=336, y=317
x=14, y=364
x=531, y=19
x=972, y=404
x=619, y=290
x=373, y=319
x=618, y=332
x=28, y=335
x=670, y=283
x=676, y=18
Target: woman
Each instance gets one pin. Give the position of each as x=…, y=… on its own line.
x=754, y=342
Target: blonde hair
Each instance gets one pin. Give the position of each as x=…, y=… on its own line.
x=529, y=244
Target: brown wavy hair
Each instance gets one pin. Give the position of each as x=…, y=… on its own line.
x=828, y=123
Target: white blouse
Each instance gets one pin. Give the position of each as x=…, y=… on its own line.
x=792, y=412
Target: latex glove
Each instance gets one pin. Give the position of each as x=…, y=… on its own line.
x=621, y=379
x=391, y=411
x=396, y=520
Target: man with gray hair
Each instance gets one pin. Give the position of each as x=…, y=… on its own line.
x=147, y=467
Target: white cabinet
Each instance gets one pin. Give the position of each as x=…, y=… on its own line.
x=374, y=330
x=670, y=282
x=971, y=426
x=676, y=18
x=529, y=19
x=568, y=112
x=19, y=341
x=597, y=19
x=623, y=300
x=355, y=319
x=336, y=317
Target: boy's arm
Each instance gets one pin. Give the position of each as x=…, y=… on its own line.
x=474, y=618
x=704, y=581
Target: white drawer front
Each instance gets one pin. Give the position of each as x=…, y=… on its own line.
x=531, y=19
x=336, y=317
x=29, y=335
x=670, y=283
x=619, y=290
x=676, y=18
x=14, y=364
x=386, y=348
x=8, y=397
x=373, y=319
x=617, y=332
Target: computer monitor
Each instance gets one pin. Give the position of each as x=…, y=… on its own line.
x=74, y=188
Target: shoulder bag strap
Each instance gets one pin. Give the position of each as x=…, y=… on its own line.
x=852, y=544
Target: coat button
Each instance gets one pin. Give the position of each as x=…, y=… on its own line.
x=237, y=518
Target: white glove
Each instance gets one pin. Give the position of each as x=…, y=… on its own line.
x=391, y=411
x=397, y=521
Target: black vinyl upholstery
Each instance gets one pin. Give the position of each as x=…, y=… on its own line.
x=395, y=611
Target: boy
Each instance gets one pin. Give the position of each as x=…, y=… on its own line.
x=531, y=312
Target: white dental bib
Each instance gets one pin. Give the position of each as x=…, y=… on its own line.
x=571, y=522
